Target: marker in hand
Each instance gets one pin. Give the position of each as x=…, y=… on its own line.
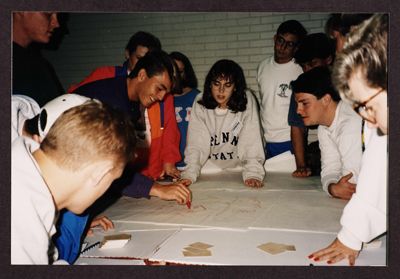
x=188, y=203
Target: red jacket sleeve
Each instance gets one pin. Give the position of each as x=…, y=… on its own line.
x=164, y=147
x=99, y=73
x=171, y=136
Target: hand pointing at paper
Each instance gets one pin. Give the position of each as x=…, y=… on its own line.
x=177, y=191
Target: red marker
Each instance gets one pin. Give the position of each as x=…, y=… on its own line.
x=189, y=203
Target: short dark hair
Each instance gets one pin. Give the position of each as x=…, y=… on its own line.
x=143, y=39
x=190, y=79
x=155, y=63
x=317, y=45
x=317, y=82
x=229, y=70
x=343, y=22
x=293, y=27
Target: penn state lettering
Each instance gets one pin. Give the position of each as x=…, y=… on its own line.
x=221, y=156
x=215, y=140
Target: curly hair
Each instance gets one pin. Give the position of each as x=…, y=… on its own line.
x=232, y=72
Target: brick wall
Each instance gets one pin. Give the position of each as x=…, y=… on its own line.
x=97, y=39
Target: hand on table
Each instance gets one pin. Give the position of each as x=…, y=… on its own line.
x=302, y=172
x=253, y=183
x=343, y=189
x=177, y=191
x=102, y=221
x=335, y=252
x=185, y=182
x=171, y=170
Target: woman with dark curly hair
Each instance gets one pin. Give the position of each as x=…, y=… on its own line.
x=224, y=127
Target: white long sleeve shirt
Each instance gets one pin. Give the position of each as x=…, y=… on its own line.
x=341, y=146
x=33, y=213
x=225, y=138
x=22, y=108
x=275, y=92
x=364, y=216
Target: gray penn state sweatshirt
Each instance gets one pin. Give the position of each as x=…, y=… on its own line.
x=227, y=139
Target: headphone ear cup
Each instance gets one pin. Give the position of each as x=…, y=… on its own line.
x=42, y=122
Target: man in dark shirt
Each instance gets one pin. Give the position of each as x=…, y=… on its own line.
x=33, y=75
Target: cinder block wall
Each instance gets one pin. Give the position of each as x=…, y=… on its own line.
x=97, y=39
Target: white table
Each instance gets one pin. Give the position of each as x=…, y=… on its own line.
x=235, y=219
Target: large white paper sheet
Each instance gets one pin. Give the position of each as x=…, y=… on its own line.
x=240, y=248
x=226, y=212
x=308, y=211
x=222, y=201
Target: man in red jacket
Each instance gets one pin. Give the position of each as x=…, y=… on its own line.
x=159, y=158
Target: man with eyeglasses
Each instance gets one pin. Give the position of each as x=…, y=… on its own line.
x=339, y=131
x=274, y=75
x=360, y=75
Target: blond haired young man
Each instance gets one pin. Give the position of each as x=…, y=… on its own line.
x=71, y=169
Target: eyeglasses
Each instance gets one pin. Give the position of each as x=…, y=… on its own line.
x=364, y=111
x=282, y=42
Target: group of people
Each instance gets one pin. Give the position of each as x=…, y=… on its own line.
x=123, y=129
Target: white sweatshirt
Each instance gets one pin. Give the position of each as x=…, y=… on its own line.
x=33, y=213
x=275, y=92
x=341, y=146
x=364, y=216
x=22, y=108
x=225, y=138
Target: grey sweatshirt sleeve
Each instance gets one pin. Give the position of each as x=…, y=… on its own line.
x=250, y=148
x=198, y=142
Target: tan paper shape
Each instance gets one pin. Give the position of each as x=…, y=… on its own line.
x=290, y=248
x=272, y=248
x=193, y=250
x=199, y=253
x=200, y=245
x=276, y=248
